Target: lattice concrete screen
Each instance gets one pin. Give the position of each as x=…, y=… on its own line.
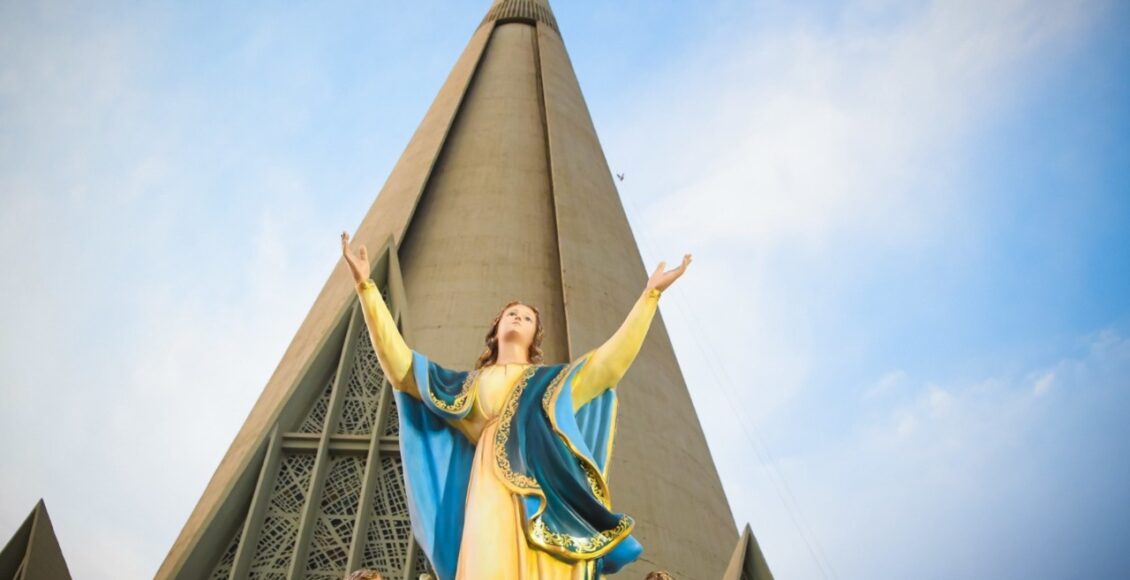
x=335, y=502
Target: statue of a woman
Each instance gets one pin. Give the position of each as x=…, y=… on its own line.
x=505, y=465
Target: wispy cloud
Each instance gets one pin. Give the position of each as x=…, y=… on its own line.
x=798, y=151
x=886, y=383
x=802, y=134
x=988, y=472
x=145, y=299
x=789, y=156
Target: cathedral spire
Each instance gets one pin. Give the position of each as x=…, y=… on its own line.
x=528, y=11
x=312, y=486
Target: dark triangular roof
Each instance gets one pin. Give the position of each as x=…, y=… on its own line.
x=33, y=551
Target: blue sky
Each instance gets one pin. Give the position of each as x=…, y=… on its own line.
x=906, y=330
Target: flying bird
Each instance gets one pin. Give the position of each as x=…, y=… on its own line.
x=621, y=176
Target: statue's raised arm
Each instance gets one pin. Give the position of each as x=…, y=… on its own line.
x=393, y=353
x=609, y=362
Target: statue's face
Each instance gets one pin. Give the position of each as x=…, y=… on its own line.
x=519, y=324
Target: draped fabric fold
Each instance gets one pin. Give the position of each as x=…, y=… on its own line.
x=555, y=459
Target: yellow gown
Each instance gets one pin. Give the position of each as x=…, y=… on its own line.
x=494, y=544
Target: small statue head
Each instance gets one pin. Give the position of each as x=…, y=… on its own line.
x=516, y=322
x=364, y=574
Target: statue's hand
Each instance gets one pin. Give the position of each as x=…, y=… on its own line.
x=661, y=279
x=358, y=262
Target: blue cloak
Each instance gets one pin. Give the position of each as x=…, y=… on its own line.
x=555, y=459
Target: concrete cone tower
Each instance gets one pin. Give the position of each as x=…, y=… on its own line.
x=503, y=192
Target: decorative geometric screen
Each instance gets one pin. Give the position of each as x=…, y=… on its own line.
x=274, y=550
x=333, y=528
x=389, y=527
x=336, y=499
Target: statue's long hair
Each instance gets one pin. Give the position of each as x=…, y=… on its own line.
x=490, y=353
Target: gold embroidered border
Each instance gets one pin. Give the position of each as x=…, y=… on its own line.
x=593, y=474
x=518, y=481
x=594, y=484
x=537, y=532
x=574, y=546
x=461, y=401
x=612, y=414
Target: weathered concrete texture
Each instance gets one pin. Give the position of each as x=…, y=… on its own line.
x=529, y=11
x=496, y=223
x=484, y=231
x=662, y=472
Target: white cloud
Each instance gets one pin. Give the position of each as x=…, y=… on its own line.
x=140, y=322
x=886, y=383
x=800, y=135
x=782, y=155
x=801, y=147
x=1045, y=382
x=954, y=468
